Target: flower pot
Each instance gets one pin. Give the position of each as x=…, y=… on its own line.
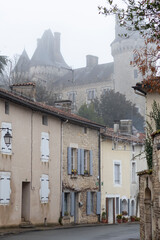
x=119, y=220
x=104, y=221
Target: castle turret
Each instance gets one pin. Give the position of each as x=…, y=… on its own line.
x=125, y=75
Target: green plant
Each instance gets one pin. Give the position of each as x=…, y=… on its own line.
x=103, y=215
x=85, y=171
x=60, y=220
x=155, y=114
x=119, y=216
x=66, y=213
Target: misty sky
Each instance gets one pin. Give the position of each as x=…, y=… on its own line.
x=83, y=30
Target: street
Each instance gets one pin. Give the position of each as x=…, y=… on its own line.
x=109, y=232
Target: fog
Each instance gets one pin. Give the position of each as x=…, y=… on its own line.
x=83, y=30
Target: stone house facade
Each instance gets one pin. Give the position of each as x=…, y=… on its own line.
x=121, y=158
x=31, y=170
x=80, y=179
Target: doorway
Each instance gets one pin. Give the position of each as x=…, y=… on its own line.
x=110, y=209
x=25, y=212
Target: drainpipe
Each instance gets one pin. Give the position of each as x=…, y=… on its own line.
x=99, y=158
x=61, y=167
x=31, y=149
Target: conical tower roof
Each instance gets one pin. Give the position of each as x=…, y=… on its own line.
x=23, y=62
x=48, y=52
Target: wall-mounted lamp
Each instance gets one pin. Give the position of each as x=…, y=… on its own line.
x=7, y=137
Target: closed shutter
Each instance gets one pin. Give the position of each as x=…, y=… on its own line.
x=82, y=161
x=128, y=207
x=44, y=146
x=120, y=205
x=4, y=148
x=98, y=202
x=88, y=203
x=91, y=162
x=44, y=191
x=79, y=161
x=62, y=204
x=69, y=160
x=72, y=203
x=5, y=190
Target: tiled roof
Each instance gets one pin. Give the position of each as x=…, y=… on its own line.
x=139, y=138
x=87, y=75
x=13, y=97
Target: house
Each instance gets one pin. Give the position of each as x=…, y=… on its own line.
x=34, y=165
x=120, y=160
x=150, y=178
x=81, y=197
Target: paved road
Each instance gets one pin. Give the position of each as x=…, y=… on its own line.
x=109, y=232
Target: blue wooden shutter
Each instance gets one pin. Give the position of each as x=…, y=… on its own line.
x=72, y=203
x=62, y=204
x=69, y=160
x=120, y=205
x=82, y=161
x=128, y=207
x=79, y=161
x=91, y=162
x=98, y=202
x=88, y=203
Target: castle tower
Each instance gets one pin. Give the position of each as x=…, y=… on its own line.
x=125, y=75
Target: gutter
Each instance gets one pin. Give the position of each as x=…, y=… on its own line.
x=47, y=111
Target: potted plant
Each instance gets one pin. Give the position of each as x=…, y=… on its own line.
x=133, y=218
x=119, y=218
x=124, y=219
x=104, y=220
x=86, y=172
x=66, y=213
x=74, y=171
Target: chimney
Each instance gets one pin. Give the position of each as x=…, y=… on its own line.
x=91, y=61
x=27, y=90
x=57, y=41
x=64, y=105
x=126, y=127
x=116, y=126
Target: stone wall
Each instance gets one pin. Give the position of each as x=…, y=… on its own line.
x=150, y=198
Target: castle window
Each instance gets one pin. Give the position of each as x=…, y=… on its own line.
x=135, y=73
x=91, y=95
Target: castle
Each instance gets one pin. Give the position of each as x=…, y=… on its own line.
x=82, y=85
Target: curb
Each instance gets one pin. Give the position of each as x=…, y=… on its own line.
x=14, y=231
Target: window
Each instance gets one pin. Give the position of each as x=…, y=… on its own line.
x=133, y=172
x=6, y=107
x=135, y=73
x=72, y=96
x=5, y=189
x=44, y=190
x=86, y=161
x=80, y=161
x=117, y=205
x=44, y=147
x=85, y=129
x=4, y=149
x=106, y=89
x=66, y=203
x=90, y=95
x=92, y=202
x=117, y=173
x=45, y=120
x=74, y=158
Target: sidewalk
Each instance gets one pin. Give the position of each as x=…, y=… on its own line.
x=17, y=230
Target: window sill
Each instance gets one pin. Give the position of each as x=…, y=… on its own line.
x=74, y=176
